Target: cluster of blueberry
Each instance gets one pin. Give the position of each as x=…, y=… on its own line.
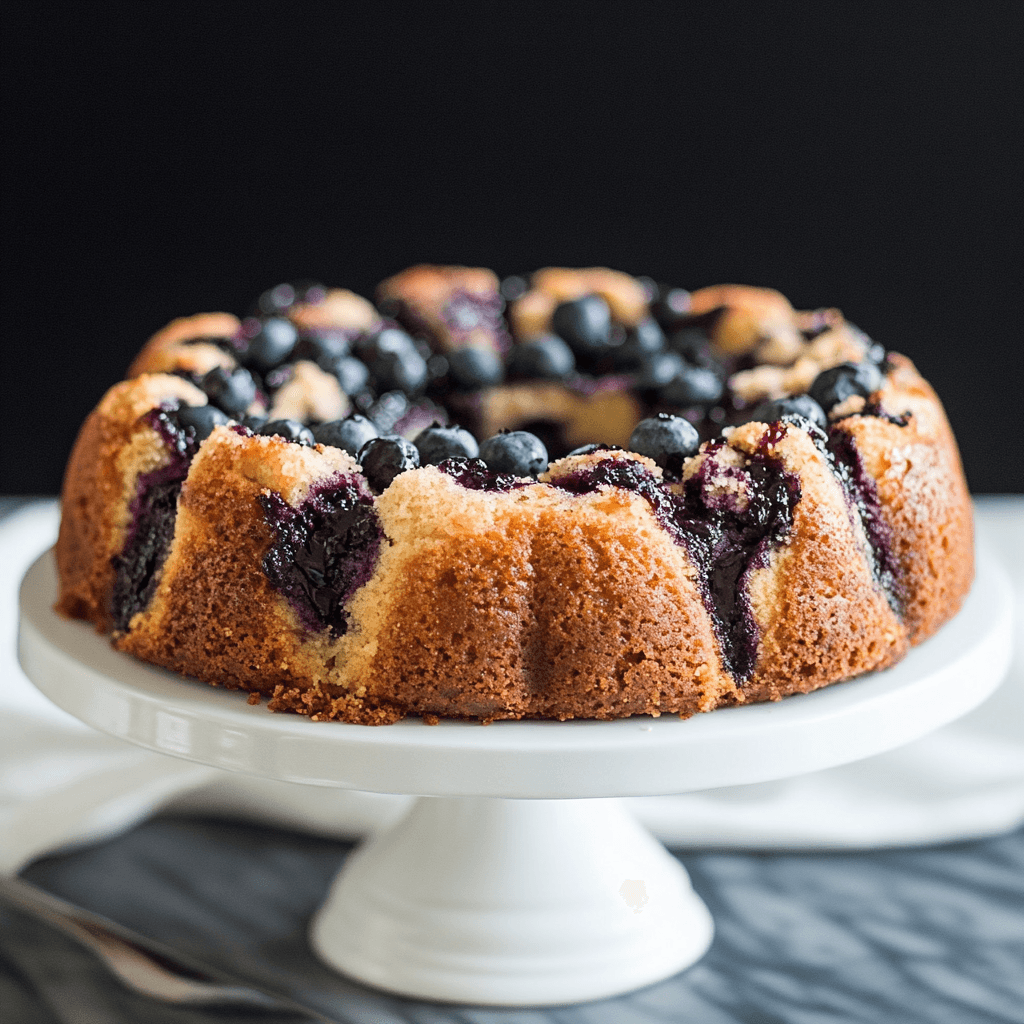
x=383, y=457
x=385, y=360
x=515, y=452
x=668, y=354
x=366, y=365
x=201, y=420
x=830, y=388
x=668, y=440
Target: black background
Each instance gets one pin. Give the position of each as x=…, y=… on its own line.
x=161, y=163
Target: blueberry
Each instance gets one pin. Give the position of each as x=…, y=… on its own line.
x=796, y=405
x=437, y=367
x=261, y=384
x=394, y=360
x=473, y=368
x=641, y=341
x=388, y=410
x=349, y=434
x=693, y=385
x=383, y=458
x=837, y=384
x=518, y=452
x=276, y=299
x=231, y=390
x=273, y=344
x=665, y=439
x=201, y=418
x=400, y=370
x=254, y=423
x=670, y=305
x=352, y=373
x=658, y=369
x=545, y=357
x=289, y=430
x=437, y=443
x=387, y=339
x=585, y=323
x=693, y=343
x=322, y=347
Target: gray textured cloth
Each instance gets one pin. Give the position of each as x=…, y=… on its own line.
x=924, y=936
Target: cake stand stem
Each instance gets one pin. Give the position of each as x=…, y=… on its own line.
x=512, y=903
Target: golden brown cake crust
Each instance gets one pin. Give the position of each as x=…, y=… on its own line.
x=923, y=494
x=214, y=615
x=822, y=618
x=111, y=451
x=536, y=604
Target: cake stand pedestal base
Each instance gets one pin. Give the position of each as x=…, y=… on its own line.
x=512, y=903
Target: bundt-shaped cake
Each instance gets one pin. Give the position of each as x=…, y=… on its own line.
x=577, y=494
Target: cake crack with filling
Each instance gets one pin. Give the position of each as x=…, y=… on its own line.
x=570, y=494
x=323, y=551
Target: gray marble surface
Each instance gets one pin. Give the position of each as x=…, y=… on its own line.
x=929, y=935
x=926, y=935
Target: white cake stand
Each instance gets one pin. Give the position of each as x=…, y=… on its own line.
x=517, y=887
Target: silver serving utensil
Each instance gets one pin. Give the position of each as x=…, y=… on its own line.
x=141, y=964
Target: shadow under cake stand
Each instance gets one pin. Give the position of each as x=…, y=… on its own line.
x=515, y=880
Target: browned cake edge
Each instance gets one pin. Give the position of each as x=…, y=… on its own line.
x=112, y=450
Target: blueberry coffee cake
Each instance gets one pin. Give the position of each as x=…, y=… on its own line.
x=573, y=494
